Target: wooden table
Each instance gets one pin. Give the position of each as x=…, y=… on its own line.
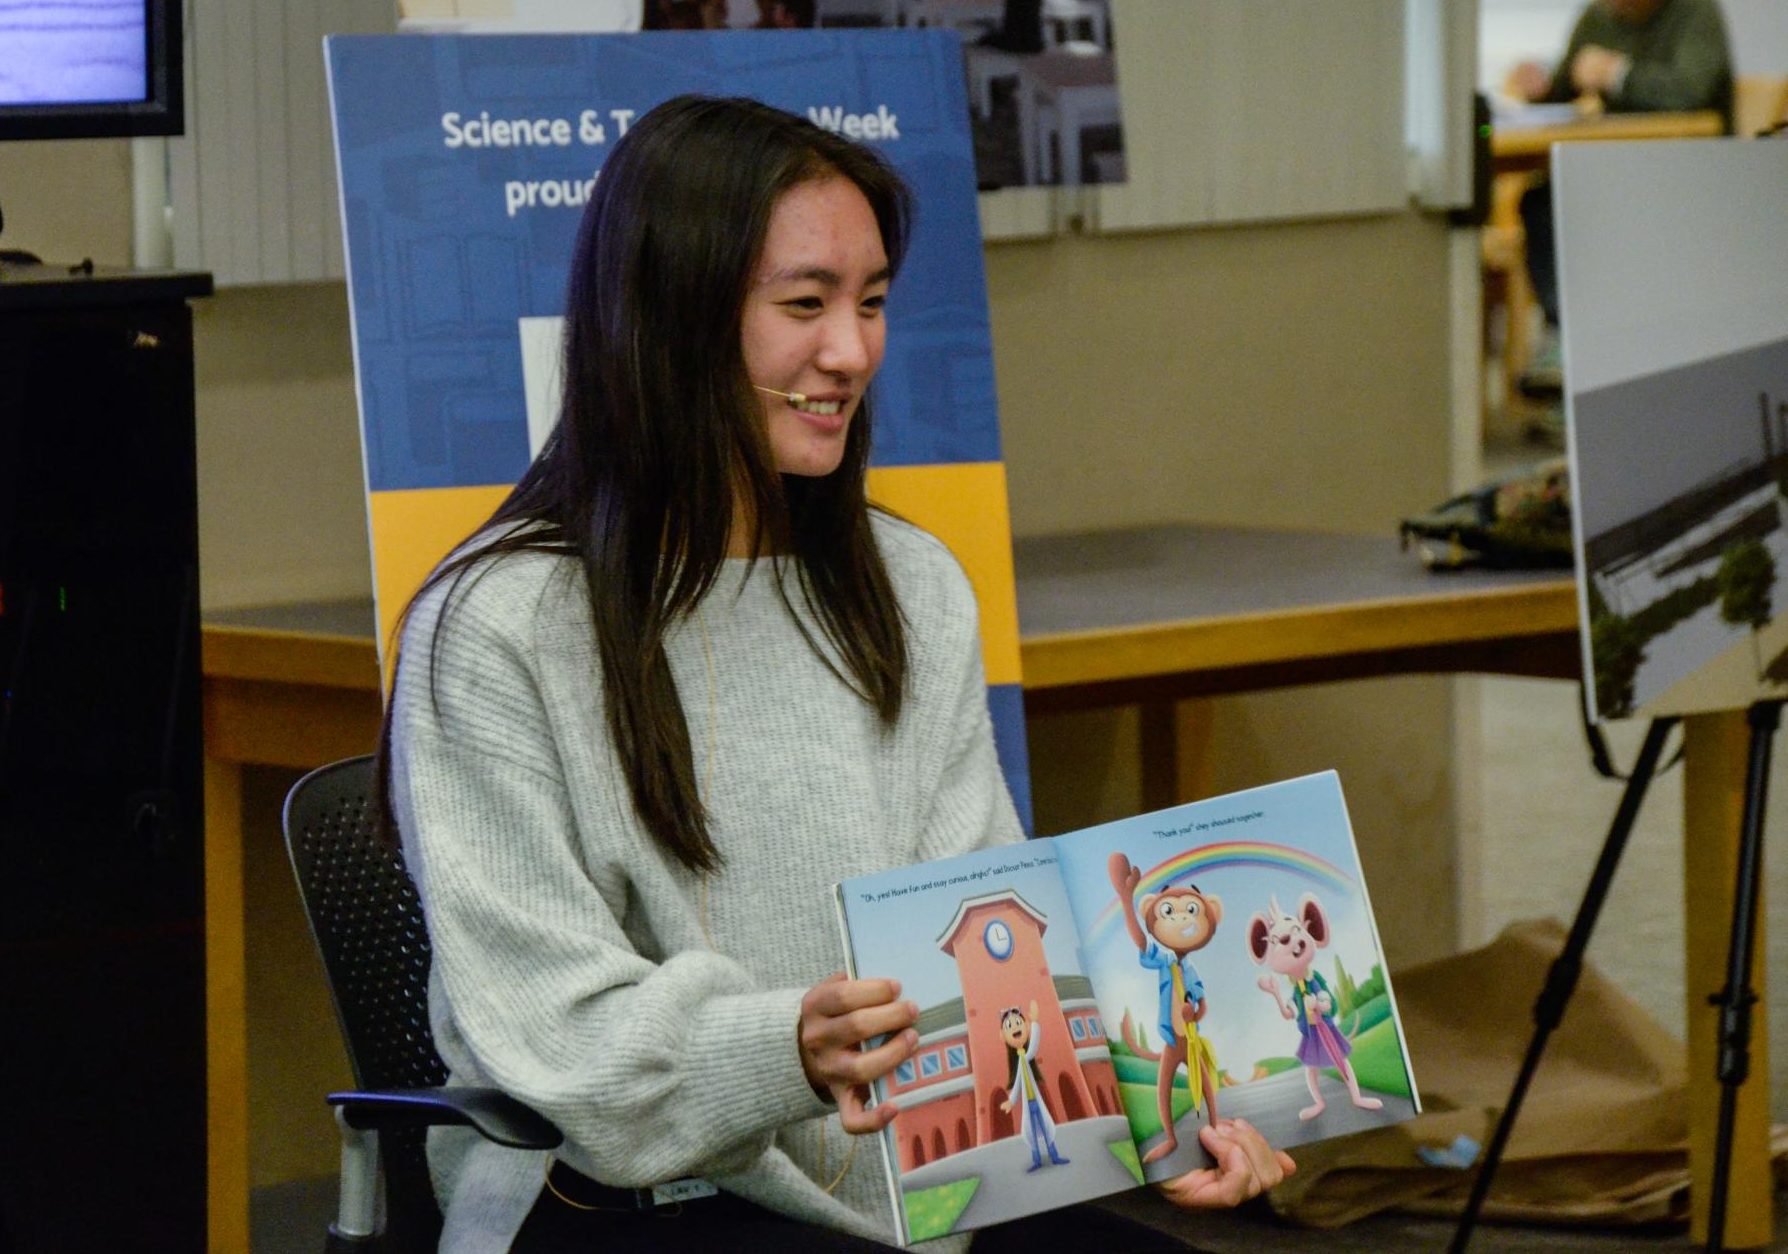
x=1156, y=618
x=292, y=686
x=1516, y=148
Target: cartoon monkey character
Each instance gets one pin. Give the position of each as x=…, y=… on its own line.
x=1175, y=924
x=1287, y=945
x=1022, y=1033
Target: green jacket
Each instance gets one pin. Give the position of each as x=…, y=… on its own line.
x=1681, y=59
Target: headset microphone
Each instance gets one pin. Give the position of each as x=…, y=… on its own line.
x=794, y=398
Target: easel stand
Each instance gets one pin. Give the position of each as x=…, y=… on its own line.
x=1561, y=978
x=1735, y=999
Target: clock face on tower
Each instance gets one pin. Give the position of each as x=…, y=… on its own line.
x=998, y=939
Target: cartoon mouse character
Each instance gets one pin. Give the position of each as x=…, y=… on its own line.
x=1175, y=923
x=1287, y=944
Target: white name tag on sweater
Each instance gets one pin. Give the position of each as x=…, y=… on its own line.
x=685, y=1190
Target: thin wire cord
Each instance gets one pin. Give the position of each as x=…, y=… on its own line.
x=701, y=625
x=554, y=1189
x=850, y=1155
x=702, y=889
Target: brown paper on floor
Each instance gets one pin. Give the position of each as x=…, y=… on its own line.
x=1603, y=1133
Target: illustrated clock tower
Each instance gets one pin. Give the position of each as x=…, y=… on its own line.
x=997, y=941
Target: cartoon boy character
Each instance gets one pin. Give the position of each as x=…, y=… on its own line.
x=1021, y=1034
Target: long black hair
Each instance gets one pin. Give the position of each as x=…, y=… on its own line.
x=659, y=430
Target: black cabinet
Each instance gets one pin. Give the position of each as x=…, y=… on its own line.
x=102, y=1016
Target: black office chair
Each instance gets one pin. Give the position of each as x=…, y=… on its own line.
x=368, y=925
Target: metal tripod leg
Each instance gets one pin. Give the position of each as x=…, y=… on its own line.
x=1736, y=998
x=1561, y=979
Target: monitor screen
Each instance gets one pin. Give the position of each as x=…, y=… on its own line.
x=87, y=68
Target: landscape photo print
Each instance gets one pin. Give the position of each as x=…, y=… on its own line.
x=1673, y=283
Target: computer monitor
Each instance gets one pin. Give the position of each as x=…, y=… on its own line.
x=82, y=69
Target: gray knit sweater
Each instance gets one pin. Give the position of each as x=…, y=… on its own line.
x=571, y=967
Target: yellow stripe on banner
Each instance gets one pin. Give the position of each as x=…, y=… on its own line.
x=412, y=530
x=964, y=505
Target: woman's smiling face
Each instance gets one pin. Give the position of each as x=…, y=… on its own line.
x=812, y=323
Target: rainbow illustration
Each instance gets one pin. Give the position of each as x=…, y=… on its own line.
x=1229, y=853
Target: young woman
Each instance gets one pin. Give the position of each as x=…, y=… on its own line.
x=683, y=681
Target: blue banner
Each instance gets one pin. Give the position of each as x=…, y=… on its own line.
x=465, y=162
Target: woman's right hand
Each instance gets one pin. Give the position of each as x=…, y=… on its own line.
x=837, y=1016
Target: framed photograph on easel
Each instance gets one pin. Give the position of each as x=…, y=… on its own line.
x=1673, y=287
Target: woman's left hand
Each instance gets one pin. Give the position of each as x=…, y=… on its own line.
x=1246, y=1167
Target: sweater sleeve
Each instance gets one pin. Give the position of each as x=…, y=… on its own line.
x=653, y=1070
x=1689, y=75
x=972, y=808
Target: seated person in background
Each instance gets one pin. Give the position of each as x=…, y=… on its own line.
x=1640, y=56
x=683, y=680
x=1628, y=56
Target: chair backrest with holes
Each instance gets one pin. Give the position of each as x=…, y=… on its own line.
x=368, y=925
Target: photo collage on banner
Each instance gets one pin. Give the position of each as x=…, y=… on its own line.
x=1042, y=74
x=1673, y=293
x=465, y=162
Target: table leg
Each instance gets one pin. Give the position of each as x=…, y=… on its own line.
x=1713, y=801
x=1176, y=752
x=226, y=1022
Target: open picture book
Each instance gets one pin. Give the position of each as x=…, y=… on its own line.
x=1089, y=1001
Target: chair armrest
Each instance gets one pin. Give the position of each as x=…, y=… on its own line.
x=493, y=1114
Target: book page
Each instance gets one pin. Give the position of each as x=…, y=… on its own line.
x=1010, y=1105
x=1236, y=958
